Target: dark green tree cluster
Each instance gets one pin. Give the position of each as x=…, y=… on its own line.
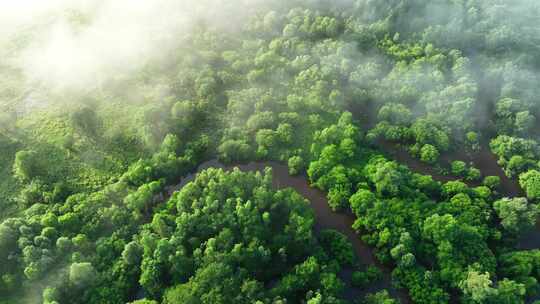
x=439, y=236
x=78, y=241
x=334, y=150
x=228, y=237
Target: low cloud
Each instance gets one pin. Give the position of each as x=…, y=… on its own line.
x=80, y=43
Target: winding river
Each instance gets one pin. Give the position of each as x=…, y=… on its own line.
x=325, y=218
x=342, y=222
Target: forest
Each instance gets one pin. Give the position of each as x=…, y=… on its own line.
x=270, y=152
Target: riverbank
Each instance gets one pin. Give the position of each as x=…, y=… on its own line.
x=325, y=218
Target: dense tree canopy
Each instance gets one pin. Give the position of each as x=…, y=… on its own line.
x=417, y=120
x=258, y=236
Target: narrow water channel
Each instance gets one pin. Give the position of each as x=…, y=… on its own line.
x=325, y=218
x=484, y=160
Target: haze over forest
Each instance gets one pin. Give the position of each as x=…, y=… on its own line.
x=269, y=152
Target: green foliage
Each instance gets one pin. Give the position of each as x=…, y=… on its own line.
x=132, y=253
x=363, y=278
x=381, y=297
x=234, y=150
x=296, y=165
x=473, y=140
x=361, y=201
x=337, y=245
x=477, y=286
x=429, y=154
x=82, y=180
x=140, y=201
x=385, y=175
x=515, y=154
x=459, y=168
x=395, y=114
x=451, y=188
x=144, y=301
x=27, y=165
x=516, y=214
x=523, y=266
x=258, y=234
x=473, y=174
x=50, y=295
x=86, y=121
x=493, y=182
x=82, y=275
x=427, y=132
x=530, y=181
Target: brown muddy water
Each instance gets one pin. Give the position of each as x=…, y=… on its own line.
x=325, y=218
x=484, y=160
x=342, y=222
